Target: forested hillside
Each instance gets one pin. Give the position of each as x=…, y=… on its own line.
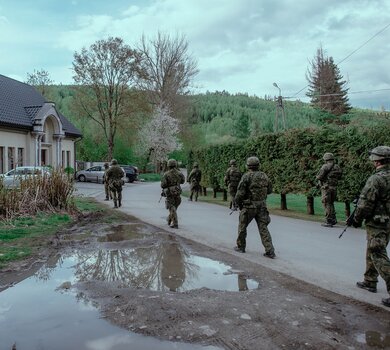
x=211, y=118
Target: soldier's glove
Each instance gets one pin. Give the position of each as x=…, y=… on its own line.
x=356, y=224
x=352, y=222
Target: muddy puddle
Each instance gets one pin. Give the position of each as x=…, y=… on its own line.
x=45, y=311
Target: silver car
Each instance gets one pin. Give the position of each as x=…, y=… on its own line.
x=11, y=179
x=93, y=174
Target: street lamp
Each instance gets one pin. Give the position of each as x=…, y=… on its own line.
x=279, y=108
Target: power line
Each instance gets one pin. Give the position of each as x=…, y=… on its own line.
x=340, y=94
x=349, y=55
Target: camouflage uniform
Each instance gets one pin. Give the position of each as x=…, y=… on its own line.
x=106, y=187
x=114, y=177
x=374, y=207
x=251, y=199
x=232, y=179
x=328, y=177
x=170, y=183
x=194, y=179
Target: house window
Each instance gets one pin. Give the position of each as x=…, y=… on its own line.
x=20, y=156
x=11, y=158
x=2, y=169
x=67, y=158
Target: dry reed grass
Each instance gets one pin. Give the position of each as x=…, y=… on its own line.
x=53, y=193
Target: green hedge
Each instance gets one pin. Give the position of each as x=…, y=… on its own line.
x=292, y=158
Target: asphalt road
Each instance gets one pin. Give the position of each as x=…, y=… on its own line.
x=304, y=249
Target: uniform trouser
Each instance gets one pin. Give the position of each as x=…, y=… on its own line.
x=107, y=190
x=232, y=193
x=328, y=197
x=262, y=218
x=195, y=189
x=172, y=203
x=377, y=260
x=117, y=196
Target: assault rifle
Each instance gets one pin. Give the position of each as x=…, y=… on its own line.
x=162, y=195
x=349, y=221
x=233, y=210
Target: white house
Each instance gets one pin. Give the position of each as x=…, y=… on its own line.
x=32, y=131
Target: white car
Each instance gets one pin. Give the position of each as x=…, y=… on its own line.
x=11, y=179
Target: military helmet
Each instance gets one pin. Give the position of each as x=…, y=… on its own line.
x=252, y=162
x=379, y=153
x=114, y=162
x=196, y=165
x=232, y=162
x=172, y=163
x=328, y=156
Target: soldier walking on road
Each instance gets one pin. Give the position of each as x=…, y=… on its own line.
x=328, y=178
x=232, y=179
x=374, y=207
x=251, y=199
x=114, y=177
x=194, y=180
x=106, y=187
x=170, y=183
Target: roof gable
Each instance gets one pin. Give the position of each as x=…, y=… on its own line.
x=20, y=103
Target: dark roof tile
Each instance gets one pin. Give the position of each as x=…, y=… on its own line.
x=20, y=102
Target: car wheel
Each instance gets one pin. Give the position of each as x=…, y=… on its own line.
x=81, y=178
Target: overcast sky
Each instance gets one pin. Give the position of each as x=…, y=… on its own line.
x=240, y=45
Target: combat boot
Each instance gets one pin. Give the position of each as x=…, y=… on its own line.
x=115, y=204
x=364, y=285
x=386, y=302
x=239, y=249
x=270, y=255
x=119, y=202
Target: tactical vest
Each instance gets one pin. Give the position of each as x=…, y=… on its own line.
x=382, y=207
x=234, y=177
x=334, y=175
x=258, y=186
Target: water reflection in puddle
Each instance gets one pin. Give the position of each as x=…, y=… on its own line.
x=165, y=266
x=127, y=232
x=36, y=314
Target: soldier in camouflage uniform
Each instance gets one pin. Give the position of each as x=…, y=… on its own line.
x=194, y=180
x=232, y=179
x=106, y=187
x=251, y=199
x=114, y=177
x=328, y=178
x=170, y=183
x=374, y=207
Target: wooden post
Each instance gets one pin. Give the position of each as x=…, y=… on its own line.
x=283, y=201
x=310, y=205
x=224, y=195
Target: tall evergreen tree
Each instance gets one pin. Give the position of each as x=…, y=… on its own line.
x=327, y=89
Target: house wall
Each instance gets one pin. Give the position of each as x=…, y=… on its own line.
x=14, y=149
x=16, y=143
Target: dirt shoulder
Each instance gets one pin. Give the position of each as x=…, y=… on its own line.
x=280, y=313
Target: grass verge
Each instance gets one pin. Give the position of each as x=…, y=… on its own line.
x=296, y=205
x=24, y=236
x=149, y=177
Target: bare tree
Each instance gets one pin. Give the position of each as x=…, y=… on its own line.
x=166, y=69
x=40, y=79
x=105, y=72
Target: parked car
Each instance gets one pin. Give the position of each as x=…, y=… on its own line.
x=131, y=172
x=93, y=174
x=11, y=179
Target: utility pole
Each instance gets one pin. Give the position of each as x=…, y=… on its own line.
x=279, y=110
